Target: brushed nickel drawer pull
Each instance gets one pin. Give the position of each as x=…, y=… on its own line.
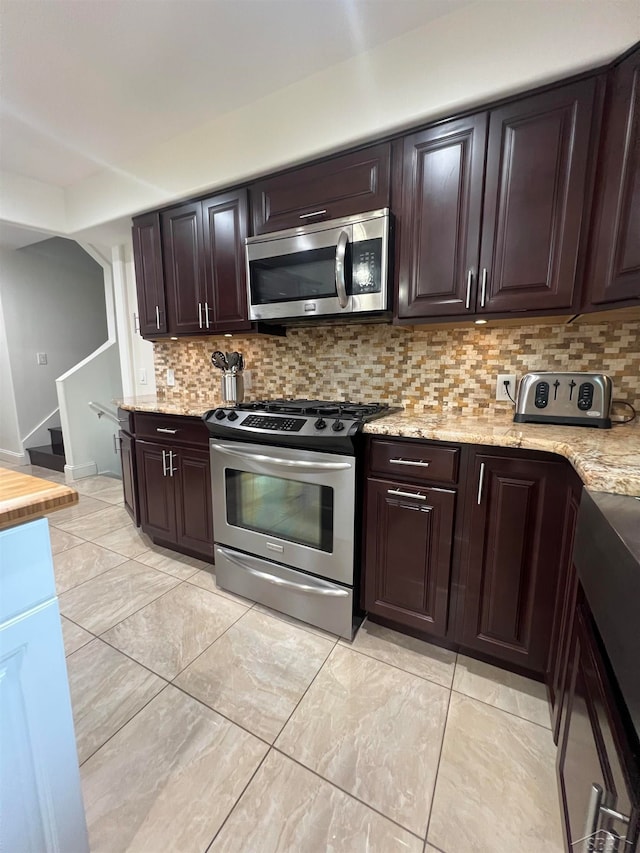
x=469, y=283
x=480, y=483
x=400, y=494
x=166, y=430
x=417, y=462
x=313, y=213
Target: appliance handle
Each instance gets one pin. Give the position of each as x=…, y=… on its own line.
x=341, y=284
x=286, y=463
x=276, y=581
x=591, y=825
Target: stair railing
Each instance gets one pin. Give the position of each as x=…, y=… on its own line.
x=102, y=410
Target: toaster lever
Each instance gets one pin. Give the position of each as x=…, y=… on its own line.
x=572, y=385
x=556, y=385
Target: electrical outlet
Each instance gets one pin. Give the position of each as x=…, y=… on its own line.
x=42, y=357
x=171, y=377
x=247, y=375
x=142, y=376
x=501, y=391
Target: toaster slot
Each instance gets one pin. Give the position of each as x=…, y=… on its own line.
x=542, y=395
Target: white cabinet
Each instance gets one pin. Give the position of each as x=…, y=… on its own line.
x=41, y=805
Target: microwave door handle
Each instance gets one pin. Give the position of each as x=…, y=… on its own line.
x=341, y=284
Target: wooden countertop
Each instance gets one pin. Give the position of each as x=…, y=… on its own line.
x=23, y=497
x=607, y=460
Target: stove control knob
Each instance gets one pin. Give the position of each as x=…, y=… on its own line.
x=220, y=415
x=338, y=426
x=233, y=416
x=320, y=423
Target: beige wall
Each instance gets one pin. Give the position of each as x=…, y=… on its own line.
x=425, y=370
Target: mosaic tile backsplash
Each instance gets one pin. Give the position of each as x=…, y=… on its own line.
x=423, y=369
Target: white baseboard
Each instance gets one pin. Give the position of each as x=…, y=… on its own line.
x=14, y=458
x=78, y=472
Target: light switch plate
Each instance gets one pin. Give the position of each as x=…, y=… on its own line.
x=171, y=377
x=142, y=376
x=42, y=357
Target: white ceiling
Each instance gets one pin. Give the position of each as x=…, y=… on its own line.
x=87, y=84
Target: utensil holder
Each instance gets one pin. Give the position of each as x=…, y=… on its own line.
x=232, y=387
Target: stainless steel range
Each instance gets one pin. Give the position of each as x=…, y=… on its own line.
x=287, y=505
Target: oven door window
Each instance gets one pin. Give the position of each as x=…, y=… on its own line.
x=286, y=509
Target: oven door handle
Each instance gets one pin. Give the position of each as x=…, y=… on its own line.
x=341, y=284
x=286, y=463
x=276, y=581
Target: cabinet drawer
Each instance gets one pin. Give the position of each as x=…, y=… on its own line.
x=414, y=460
x=177, y=429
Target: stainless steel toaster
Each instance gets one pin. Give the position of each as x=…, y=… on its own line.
x=575, y=399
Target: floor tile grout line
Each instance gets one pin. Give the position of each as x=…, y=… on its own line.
x=395, y=666
x=504, y=710
x=124, y=654
x=178, y=582
x=234, y=806
x=435, y=778
x=111, y=736
x=349, y=794
x=305, y=691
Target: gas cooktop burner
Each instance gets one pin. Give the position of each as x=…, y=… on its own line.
x=341, y=409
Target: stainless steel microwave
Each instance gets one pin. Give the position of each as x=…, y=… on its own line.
x=328, y=269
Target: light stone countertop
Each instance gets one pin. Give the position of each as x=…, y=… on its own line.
x=607, y=460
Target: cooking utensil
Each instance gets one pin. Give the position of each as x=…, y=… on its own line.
x=219, y=360
x=233, y=361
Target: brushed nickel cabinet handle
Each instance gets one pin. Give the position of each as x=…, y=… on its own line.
x=480, y=483
x=206, y=314
x=400, y=494
x=467, y=302
x=157, y=317
x=166, y=430
x=164, y=463
x=418, y=463
x=200, y=314
x=483, y=290
x=591, y=824
x=313, y=213
x=172, y=470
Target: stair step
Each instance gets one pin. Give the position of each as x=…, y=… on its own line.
x=45, y=458
x=57, y=445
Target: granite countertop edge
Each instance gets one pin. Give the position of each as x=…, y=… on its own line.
x=606, y=460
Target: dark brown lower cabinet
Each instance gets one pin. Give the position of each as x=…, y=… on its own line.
x=597, y=772
x=129, y=488
x=175, y=496
x=408, y=554
x=513, y=529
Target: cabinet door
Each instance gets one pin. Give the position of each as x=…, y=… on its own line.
x=594, y=752
x=514, y=513
x=534, y=197
x=441, y=208
x=147, y=258
x=194, y=508
x=614, y=271
x=128, y=462
x=225, y=229
x=409, y=535
x=342, y=186
x=156, y=491
x=184, y=268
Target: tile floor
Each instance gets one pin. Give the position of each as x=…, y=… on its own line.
x=205, y=723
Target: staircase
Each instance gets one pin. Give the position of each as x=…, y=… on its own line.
x=52, y=456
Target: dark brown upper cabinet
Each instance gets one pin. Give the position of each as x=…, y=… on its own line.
x=147, y=258
x=182, y=242
x=205, y=277
x=492, y=208
x=341, y=186
x=441, y=214
x=225, y=222
x=514, y=511
x=613, y=274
